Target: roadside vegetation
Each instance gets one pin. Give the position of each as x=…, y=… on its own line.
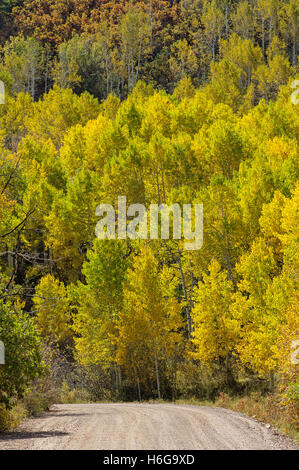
x=266, y=408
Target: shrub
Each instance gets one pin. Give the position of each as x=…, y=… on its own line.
x=22, y=353
x=73, y=396
x=11, y=418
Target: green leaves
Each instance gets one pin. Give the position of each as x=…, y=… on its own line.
x=23, y=360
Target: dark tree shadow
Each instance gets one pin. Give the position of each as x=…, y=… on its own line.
x=17, y=435
x=63, y=415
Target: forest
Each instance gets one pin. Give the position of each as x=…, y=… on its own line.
x=186, y=101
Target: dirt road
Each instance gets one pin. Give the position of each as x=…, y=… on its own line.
x=142, y=426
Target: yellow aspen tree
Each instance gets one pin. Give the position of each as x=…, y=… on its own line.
x=53, y=313
x=215, y=329
x=150, y=320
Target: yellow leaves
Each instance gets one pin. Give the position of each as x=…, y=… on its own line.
x=100, y=144
x=249, y=322
x=13, y=117
x=184, y=89
x=290, y=237
x=98, y=302
x=89, y=146
x=73, y=151
x=279, y=223
x=192, y=111
x=66, y=75
x=257, y=332
x=257, y=351
x=289, y=333
x=58, y=111
x=183, y=60
x=158, y=116
x=281, y=157
x=270, y=221
x=135, y=37
x=150, y=318
x=257, y=268
x=6, y=207
x=53, y=310
x=8, y=218
x=232, y=75
x=94, y=342
x=214, y=327
x=271, y=77
x=262, y=311
x=219, y=144
x=110, y=106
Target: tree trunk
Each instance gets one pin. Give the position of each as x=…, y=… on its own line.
x=263, y=39
x=189, y=320
x=138, y=389
x=157, y=373
x=230, y=379
x=294, y=52
x=272, y=382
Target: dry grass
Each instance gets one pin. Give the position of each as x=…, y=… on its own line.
x=264, y=408
x=12, y=418
x=267, y=409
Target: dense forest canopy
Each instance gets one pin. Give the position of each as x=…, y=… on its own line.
x=164, y=102
x=106, y=46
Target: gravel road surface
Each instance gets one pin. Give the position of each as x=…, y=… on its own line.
x=142, y=426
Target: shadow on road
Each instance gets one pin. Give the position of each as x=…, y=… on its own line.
x=8, y=436
x=65, y=415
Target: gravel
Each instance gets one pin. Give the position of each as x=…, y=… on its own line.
x=143, y=426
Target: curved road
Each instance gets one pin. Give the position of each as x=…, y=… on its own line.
x=142, y=426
